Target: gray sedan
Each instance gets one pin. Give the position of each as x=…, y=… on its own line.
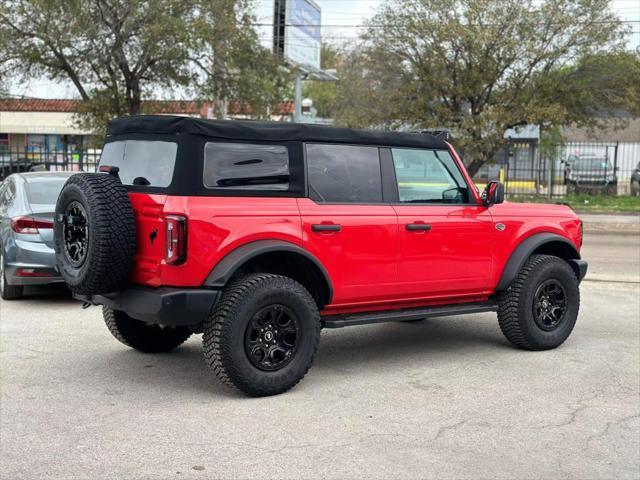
x=27, y=205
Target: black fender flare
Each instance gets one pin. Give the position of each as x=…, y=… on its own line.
x=225, y=268
x=524, y=251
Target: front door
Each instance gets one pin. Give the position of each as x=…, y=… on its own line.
x=346, y=226
x=445, y=236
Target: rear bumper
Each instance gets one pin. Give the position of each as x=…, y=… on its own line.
x=164, y=305
x=30, y=263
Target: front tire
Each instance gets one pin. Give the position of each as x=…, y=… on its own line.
x=146, y=337
x=263, y=334
x=540, y=308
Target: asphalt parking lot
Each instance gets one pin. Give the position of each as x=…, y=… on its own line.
x=442, y=398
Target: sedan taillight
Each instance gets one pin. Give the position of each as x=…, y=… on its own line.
x=30, y=225
x=176, y=239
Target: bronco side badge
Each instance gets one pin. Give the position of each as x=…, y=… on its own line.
x=500, y=226
x=153, y=235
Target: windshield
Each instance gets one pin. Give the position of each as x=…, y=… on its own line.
x=590, y=163
x=141, y=162
x=44, y=191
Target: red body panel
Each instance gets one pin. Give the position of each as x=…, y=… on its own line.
x=525, y=219
x=218, y=225
x=149, y=215
x=374, y=261
x=452, y=258
x=362, y=258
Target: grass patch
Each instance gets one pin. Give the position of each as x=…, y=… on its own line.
x=588, y=203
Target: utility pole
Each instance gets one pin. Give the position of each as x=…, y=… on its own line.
x=297, y=101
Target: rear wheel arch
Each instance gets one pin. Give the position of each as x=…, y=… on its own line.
x=540, y=243
x=276, y=257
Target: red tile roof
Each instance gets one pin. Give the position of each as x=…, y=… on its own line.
x=37, y=105
x=187, y=107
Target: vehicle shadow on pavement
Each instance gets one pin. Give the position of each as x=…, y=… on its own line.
x=57, y=293
x=345, y=351
x=183, y=369
x=433, y=339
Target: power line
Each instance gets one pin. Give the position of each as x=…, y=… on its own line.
x=344, y=25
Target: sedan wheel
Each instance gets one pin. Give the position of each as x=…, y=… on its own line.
x=8, y=292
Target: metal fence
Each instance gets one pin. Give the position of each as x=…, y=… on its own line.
x=528, y=170
x=77, y=160
x=525, y=168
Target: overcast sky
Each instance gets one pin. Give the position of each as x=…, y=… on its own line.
x=340, y=19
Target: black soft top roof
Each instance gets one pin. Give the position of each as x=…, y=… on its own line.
x=268, y=131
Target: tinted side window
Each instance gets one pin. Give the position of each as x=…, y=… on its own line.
x=344, y=173
x=428, y=176
x=246, y=166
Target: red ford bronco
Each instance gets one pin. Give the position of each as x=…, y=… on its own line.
x=260, y=234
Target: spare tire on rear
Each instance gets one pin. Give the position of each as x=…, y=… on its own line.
x=94, y=234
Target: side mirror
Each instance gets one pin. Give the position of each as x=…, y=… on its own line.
x=493, y=194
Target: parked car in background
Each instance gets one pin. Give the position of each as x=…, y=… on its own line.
x=27, y=205
x=590, y=174
x=635, y=181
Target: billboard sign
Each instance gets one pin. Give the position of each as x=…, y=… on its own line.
x=302, y=33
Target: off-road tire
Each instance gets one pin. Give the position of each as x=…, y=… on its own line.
x=8, y=292
x=225, y=329
x=515, y=309
x=111, y=240
x=143, y=336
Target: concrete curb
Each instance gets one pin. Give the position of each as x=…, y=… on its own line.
x=613, y=224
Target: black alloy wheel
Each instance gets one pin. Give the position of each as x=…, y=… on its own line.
x=271, y=337
x=75, y=230
x=549, y=305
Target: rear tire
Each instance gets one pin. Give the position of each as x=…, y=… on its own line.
x=248, y=340
x=529, y=312
x=143, y=336
x=8, y=292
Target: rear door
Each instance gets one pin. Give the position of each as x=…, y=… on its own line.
x=346, y=225
x=445, y=235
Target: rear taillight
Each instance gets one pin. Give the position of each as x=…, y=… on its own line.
x=176, y=239
x=30, y=225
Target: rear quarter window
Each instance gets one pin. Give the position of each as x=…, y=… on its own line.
x=142, y=162
x=246, y=166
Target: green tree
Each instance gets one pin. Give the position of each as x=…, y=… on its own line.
x=118, y=53
x=478, y=67
x=323, y=93
x=231, y=65
x=114, y=52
